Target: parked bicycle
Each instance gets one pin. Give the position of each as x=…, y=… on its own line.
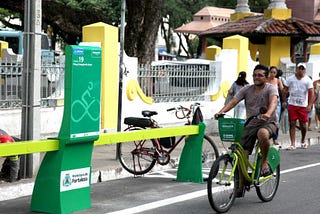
x=139, y=157
x=228, y=170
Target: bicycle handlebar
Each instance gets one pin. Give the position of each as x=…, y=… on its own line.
x=262, y=110
x=217, y=116
x=185, y=111
x=171, y=109
x=179, y=108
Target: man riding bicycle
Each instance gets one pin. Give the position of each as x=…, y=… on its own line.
x=260, y=95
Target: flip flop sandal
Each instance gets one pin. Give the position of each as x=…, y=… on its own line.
x=291, y=148
x=265, y=171
x=304, y=145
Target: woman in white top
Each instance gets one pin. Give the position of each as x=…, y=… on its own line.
x=239, y=110
x=272, y=79
x=316, y=87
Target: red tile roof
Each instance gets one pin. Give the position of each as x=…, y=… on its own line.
x=258, y=26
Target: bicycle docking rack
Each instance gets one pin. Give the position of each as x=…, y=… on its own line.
x=190, y=164
x=63, y=182
x=50, y=172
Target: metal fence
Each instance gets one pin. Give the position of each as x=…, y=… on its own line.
x=172, y=82
x=52, y=77
x=166, y=82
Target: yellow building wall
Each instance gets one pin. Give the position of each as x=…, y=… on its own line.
x=241, y=44
x=315, y=49
x=108, y=36
x=253, y=48
x=3, y=45
x=264, y=54
x=274, y=49
x=212, y=51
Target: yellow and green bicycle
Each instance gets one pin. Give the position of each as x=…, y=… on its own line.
x=228, y=170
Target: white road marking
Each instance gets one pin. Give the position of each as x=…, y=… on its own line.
x=162, y=203
x=299, y=168
x=188, y=196
x=161, y=174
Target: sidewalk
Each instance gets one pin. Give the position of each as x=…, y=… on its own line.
x=106, y=167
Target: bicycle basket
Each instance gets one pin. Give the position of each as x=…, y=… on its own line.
x=230, y=129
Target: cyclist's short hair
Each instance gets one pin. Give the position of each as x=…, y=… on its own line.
x=262, y=67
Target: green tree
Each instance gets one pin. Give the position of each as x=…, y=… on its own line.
x=177, y=13
x=258, y=5
x=143, y=22
x=225, y=3
x=67, y=17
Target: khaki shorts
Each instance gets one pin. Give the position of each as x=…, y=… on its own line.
x=249, y=135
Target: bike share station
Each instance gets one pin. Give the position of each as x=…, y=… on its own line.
x=63, y=181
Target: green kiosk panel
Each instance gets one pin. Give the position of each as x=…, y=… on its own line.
x=63, y=181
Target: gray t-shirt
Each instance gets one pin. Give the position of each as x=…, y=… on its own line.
x=254, y=102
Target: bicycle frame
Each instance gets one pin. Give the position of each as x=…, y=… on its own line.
x=241, y=159
x=159, y=147
x=146, y=153
x=176, y=143
x=234, y=173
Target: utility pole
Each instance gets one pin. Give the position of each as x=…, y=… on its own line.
x=122, y=69
x=31, y=76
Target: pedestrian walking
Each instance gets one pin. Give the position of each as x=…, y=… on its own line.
x=299, y=103
x=310, y=113
x=283, y=118
x=240, y=109
x=316, y=87
x=272, y=79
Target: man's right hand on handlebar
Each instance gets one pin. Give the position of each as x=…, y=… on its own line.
x=218, y=115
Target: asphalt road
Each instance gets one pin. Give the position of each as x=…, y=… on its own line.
x=298, y=192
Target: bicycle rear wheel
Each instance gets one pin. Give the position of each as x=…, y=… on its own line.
x=266, y=190
x=137, y=157
x=210, y=153
x=221, y=190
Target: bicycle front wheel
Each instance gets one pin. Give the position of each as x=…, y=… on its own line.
x=222, y=184
x=137, y=157
x=267, y=189
x=210, y=153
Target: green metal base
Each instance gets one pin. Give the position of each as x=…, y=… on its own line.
x=190, y=164
x=56, y=190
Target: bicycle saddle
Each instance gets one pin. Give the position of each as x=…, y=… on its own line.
x=147, y=113
x=137, y=121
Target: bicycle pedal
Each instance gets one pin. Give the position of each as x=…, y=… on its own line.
x=247, y=185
